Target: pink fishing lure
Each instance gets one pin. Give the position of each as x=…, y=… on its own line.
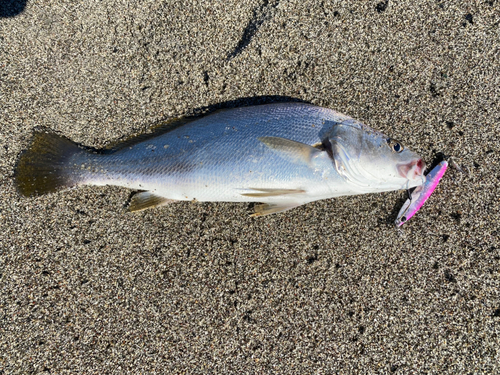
x=421, y=194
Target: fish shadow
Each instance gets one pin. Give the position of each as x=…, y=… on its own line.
x=11, y=8
x=245, y=102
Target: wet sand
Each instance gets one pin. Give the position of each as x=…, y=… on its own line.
x=330, y=287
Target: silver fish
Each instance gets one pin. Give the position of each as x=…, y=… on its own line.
x=282, y=155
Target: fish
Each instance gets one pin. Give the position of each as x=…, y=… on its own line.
x=421, y=193
x=279, y=156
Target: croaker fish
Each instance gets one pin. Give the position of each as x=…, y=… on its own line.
x=282, y=155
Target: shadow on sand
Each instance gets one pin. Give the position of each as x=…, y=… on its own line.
x=11, y=8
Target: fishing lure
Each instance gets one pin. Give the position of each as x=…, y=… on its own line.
x=421, y=194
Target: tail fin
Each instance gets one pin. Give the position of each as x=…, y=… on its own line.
x=44, y=168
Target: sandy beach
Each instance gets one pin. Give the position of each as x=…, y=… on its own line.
x=202, y=288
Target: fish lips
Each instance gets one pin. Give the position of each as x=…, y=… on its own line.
x=413, y=170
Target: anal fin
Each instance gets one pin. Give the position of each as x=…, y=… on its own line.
x=146, y=199
x=271, y=208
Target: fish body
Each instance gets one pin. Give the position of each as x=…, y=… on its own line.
x=282, y=155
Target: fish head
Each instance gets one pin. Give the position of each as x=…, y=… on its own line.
x=373, y=161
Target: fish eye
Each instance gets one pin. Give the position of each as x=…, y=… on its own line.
x=395, y=145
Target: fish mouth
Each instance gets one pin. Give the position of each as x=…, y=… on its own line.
x=413, y=170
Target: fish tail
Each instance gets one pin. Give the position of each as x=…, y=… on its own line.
x=46, y=167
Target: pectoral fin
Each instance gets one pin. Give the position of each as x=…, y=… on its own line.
x=338, y=155
x=295, y=151
x=146, y=199
x=272, y=192
x=270, y=208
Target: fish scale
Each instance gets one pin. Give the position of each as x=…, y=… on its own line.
x=216, y=157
